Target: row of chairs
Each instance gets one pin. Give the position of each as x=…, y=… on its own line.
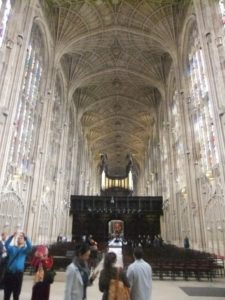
x=189, y=269
x=177, y=263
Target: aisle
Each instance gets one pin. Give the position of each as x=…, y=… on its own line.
x=162, y=290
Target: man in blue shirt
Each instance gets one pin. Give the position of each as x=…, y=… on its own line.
x=16, y=262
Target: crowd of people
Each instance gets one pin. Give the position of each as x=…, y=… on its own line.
x=137, y=279
x=146, y=241
x=13, y=254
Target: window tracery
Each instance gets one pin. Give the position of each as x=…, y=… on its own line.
x=29, y=109
x=68, y=166
x=200, y=109
x=44, y=228
x=5, y=9
x=11, y=211
x=177, y=143
x=55, y=133
x=222, y=10
x=165, y=163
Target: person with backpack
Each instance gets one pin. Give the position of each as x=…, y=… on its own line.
x=113, y=282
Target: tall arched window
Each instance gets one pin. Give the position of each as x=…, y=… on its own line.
x=200, y=108
x=29, y=109
x=177, y=143
x=5, y=9
x=68, y=166
x=44, y=228
x=165, y=163
x=69, y=156
x=55, y=133
x=11, y=211
x=51, y=172
x=222, y=10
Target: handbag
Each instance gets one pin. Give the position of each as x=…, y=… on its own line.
x=49, y=276
x=39, y=275
x=117, y=289
x=45, y=276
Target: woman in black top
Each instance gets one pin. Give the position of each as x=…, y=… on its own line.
x=110, y=272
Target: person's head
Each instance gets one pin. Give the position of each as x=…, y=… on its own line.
x=41, y=251
x=20, y=240
x=110, y=260
x=82, y=251
x=138, y=253
x=3, y=235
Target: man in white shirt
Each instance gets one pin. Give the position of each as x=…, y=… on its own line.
x=139, y=274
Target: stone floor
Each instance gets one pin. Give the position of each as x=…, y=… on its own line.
x=162, y=289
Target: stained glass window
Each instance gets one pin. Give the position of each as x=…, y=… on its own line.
x=200, y=109
x=29, y=109
x=56, y=132
x=177, y=143
x=44, y=228
x=222, y=9
x=69, y=155
x=5, y=9
x=165, y=163
x=11, y=210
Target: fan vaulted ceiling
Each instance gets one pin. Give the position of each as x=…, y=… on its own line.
x=116, y=55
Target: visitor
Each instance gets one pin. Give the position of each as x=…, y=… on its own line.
x=78, y=276
x=109, y=272
x=186, y=243
x=139, y=274
x=15, y=265
x=44, y=275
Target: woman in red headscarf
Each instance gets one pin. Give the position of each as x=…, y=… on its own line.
x=44, y=276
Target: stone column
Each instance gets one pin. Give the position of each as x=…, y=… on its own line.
x=37, y=193
x=12, y=76
x=210, y=28
x=186, y=138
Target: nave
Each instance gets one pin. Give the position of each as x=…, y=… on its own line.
x=113, y=98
